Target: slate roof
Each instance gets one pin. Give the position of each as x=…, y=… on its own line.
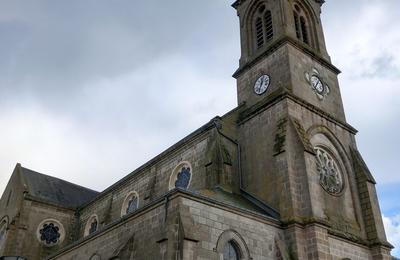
x=54, y=190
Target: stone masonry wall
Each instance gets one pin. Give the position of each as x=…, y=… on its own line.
x=135, y=236
x=259, y=234
x=27, y=239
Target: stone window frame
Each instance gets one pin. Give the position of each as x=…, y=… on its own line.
x=3, y=227
x=262, y=20
x=232, y=236
x=61, y=230
x=124, y=206
x=89, y=225
x=321, y=136
x=174, y=175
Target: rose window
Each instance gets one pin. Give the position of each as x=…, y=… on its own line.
x=330, y=177
x=49, y=234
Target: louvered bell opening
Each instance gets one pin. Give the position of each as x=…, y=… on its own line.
x=297, y=25
x=304, y=30
x=269, y=31
x=259, y=33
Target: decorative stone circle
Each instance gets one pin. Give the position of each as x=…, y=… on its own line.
x=330, y=176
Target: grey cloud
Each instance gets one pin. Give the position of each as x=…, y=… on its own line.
x=60, y=46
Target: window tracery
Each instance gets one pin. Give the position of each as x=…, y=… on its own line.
x=50, y=232
x=330, y=175
x=181, y=176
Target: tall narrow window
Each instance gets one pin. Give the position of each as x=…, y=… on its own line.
x=301, y=26
x=132, y=205
x=93, y=226
x=259, y=33
x=269, y=31
x=304, y=30
x=297, y=25
x=263, y=27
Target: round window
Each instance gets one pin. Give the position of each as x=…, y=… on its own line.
x=330, y=176
x=50, y=232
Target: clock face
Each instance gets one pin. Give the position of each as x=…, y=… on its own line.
x=261, y=84
x=317, y=84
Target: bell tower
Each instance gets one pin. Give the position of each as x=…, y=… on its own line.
x=284, y=42
x=298, y=153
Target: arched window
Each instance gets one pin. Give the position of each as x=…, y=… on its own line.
x=301, y=25
x=263, y=27
x=131, y=203
x=3, y=230
x=231, y=246
x=231, y=252
x=91, y=225
x=181, y=176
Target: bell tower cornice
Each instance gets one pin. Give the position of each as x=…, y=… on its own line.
x=239, y=2
x=310, y=52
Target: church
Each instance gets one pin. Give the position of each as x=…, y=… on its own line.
x=279, y=177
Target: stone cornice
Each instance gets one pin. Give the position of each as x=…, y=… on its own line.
x=279, y=43
x=239, y=2
x=280, y=95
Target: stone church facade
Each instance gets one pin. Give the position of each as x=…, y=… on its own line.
x=278, y=177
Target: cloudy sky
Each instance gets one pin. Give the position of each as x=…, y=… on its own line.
x=90, y=90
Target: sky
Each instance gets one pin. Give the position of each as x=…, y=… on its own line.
x=90, y=90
